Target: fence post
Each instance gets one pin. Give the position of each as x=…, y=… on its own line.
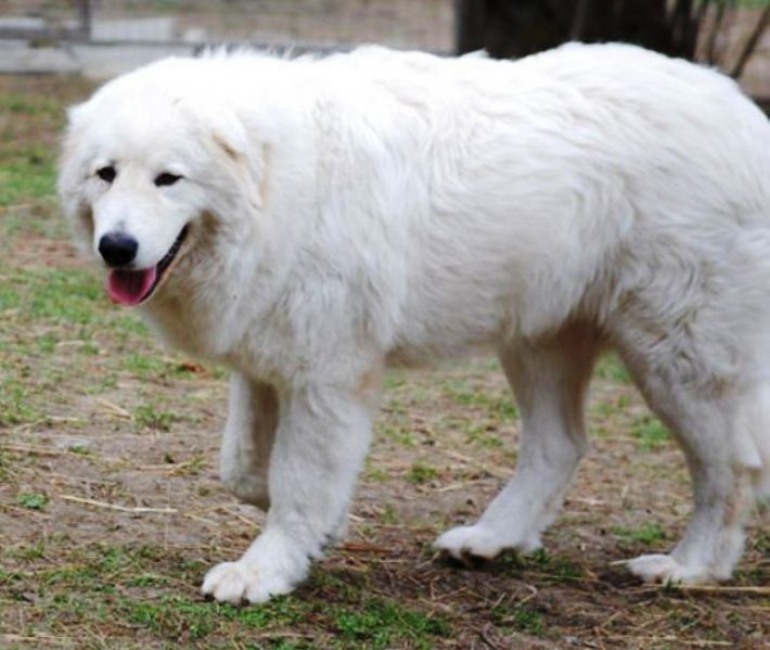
x=84, y=19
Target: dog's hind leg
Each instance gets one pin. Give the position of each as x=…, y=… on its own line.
x=753, y=428
x=719, y=424
x=726, y=465
x=550, y=381
x=248, y=440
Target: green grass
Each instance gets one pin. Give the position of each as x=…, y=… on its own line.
x=463, y=393
x=400, y=434
x=555, y=569
x=650, y=433
x=15, y=407
x=145, y=366
x=25, y=177
x=32, y=501
x=50, y=323
x=95, y=589
x=382, y=624
x=147, y=416
x=420, y=473
x=611, y=367
x=27, y=167
x=56, y=325
x=485, y=436
x=526, y=619
x=647, y=534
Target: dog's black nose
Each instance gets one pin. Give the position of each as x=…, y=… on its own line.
x=118, y=249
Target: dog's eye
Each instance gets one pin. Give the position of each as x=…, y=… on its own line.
x=166, y=178
x=107, y=174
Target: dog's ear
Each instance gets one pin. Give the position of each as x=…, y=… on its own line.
x=72, y=174
x=228, y=139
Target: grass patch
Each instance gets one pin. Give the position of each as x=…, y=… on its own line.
x=32, y=501
x=129, y=592
x=612, y=368
x=147, y=416
x=485, y=436
x=463, y=393
x=650, y=433
x=36, y=116
x=420, y=473
x=398, y=434
x=173, y=618
x=645, y=535
x=553, y=569
x=15, y=406
x=383, y=624
x=527, y=620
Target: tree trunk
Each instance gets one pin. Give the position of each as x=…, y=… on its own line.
x=514, y=28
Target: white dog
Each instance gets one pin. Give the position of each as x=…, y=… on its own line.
x=310, y=222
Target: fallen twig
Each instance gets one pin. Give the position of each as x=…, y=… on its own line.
x=491, y=470
x=461, y=485
x=49, y=420
x=202, y=520
x=670, y=639
x=112, y=506
x=485, y=634
x=714, y=589
x=34, y=451
x=114, y=408
x=360, y=547
x=39, y=638
x=722, y=589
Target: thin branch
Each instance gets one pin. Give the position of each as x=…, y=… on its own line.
x=751, y=43
x=700, y=18
x=711, y=42
x=579, y=20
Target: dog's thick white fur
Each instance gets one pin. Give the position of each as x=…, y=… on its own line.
x=375, y=208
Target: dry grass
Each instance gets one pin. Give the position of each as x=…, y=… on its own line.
x=110, y=510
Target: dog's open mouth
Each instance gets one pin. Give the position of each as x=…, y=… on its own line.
x=133, y=287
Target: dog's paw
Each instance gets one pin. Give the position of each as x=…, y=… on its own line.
x=665, y=569
x=235, y=582
x=480, y=542
x=228, y=582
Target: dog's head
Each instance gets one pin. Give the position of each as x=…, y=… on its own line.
x=151, y=165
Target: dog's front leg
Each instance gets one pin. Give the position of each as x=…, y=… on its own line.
x=321, y=441
x=248, y=440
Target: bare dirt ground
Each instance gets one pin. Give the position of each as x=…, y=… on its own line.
x=111, y=511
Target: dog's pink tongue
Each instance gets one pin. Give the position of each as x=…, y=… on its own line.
x=130, y=287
